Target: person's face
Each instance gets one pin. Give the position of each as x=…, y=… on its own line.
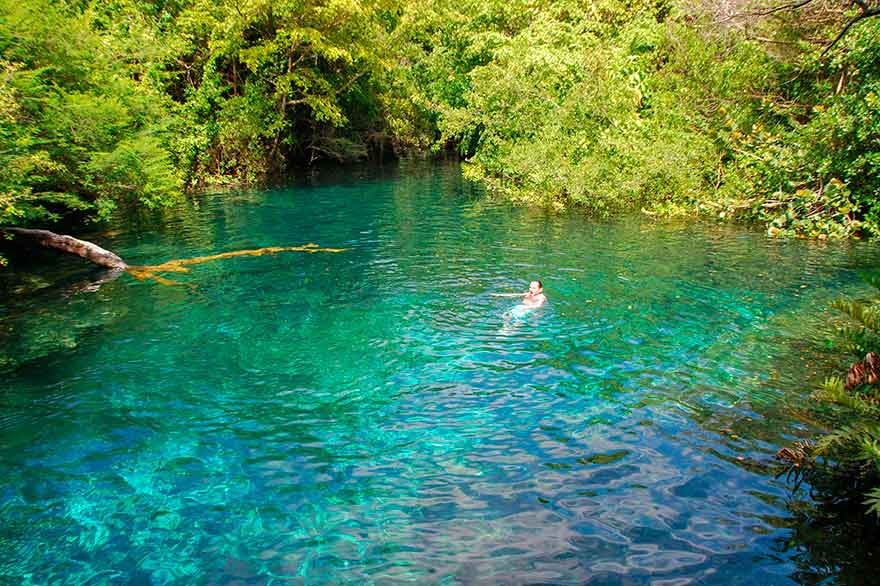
x=534, y=288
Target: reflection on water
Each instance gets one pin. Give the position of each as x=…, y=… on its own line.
x=378, y=416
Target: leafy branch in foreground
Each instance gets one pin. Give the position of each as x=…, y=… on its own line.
x=843, y=467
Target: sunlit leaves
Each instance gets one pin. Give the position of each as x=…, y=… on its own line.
x=68, y=108
x=844, y=465
x=282, y=78
x=565, y=111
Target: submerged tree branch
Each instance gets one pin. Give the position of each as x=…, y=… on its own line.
x=105, y=258
x=180, y=265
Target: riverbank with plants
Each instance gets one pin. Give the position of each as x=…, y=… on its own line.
x=744, y=112
x=842, y=467
x=760, y=113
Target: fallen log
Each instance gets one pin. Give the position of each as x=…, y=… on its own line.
x=82, y=248
x=105, y=258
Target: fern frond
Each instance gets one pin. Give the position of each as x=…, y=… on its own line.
x=831, y=391
x=859, y=406
x=869, y=444
x=846, y=436
x=871, y=277
x=799, y=462
x=862, y=404
x=873, y=501
x=857, y=340
x=851, y=307
x=844, y=465
x=866, y=313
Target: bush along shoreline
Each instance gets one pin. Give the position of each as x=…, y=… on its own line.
x=842, y=467
x=674, y=107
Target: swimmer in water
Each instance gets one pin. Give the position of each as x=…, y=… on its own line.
x=534, y=297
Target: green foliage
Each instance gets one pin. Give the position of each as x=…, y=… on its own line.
x=844, y=465
x=807, y=164
x=561, y=108
x=109, y=102
x=872, y=501
x=862, y=337
x=76, y=133
x=281, y=81
x=608, y=105
x=582, y=103
x=572, y=103
x=797, y=156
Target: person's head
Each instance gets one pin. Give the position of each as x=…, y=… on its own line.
x=535, y=287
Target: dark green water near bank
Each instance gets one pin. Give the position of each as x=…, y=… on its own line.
x=375, y=416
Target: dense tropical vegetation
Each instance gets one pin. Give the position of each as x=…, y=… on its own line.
x=843, y=467
x=670, y=106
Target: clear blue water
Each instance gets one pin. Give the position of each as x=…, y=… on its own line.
x=372, y=417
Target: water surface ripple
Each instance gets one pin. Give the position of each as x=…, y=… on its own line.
x=377, y=416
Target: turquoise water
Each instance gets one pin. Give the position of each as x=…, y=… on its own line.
x=377, y=417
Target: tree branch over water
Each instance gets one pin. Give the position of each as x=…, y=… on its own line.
x=82, y=248
x=105, y=258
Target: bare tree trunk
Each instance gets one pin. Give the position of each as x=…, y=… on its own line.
x=69, y=244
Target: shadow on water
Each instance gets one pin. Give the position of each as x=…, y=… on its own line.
x=830, y=547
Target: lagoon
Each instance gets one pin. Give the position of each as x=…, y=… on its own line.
x=371, y=417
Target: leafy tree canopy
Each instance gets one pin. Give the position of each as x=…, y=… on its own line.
x=737, y=111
